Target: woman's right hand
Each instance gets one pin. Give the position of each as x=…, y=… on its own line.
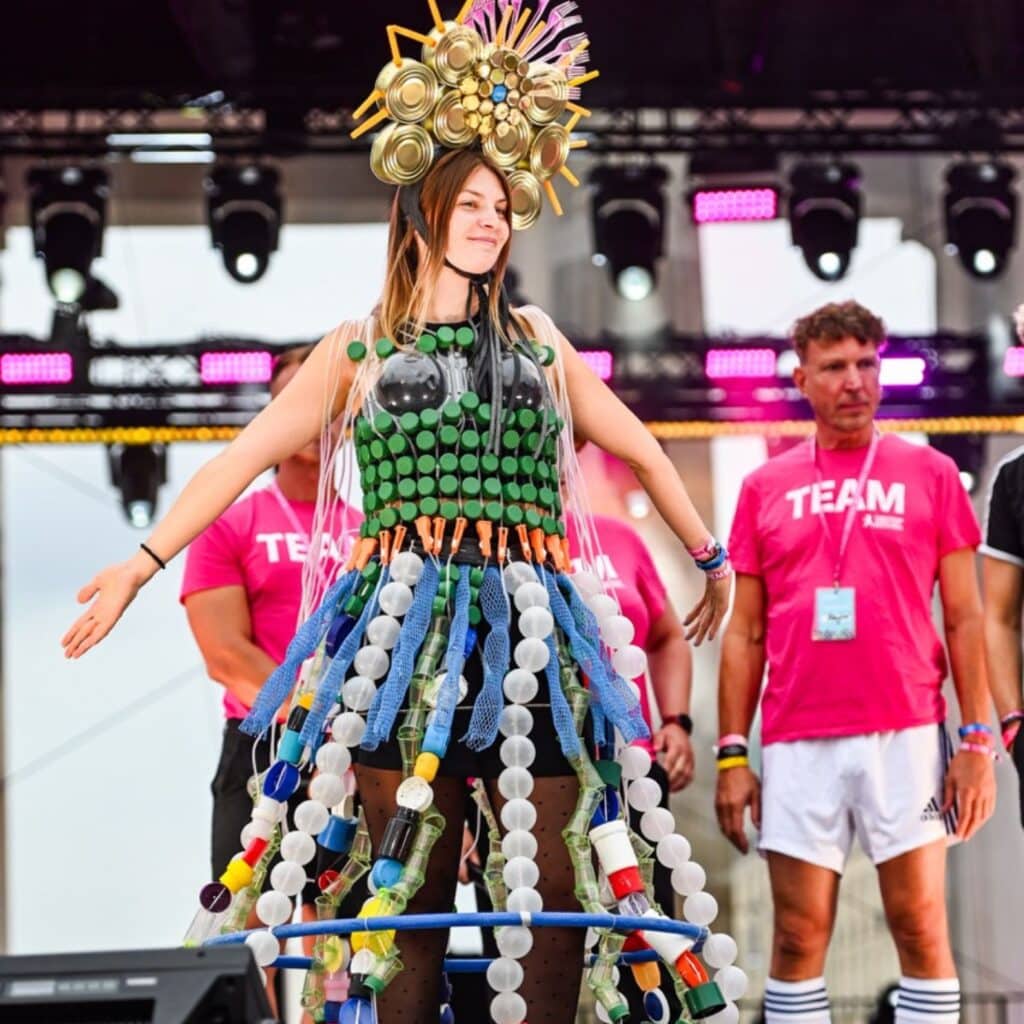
x=737, y=789
x=114, y=588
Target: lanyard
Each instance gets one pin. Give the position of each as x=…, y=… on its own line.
x=851, y=512
x=288, y=511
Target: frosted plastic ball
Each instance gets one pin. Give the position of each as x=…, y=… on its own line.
x=255, y=830
x=311, y=816
x=525, y=901
x=334, y=758
x=673, y=851
x=515, y=782
x=298, y=847
x=617, y=631
x=395, y=598
x=348, y=728
x=536, y=622
x=700, y=908
x=719, y=950
x=586, y=582
x=635, y=762
x=644, y=794
x=264, y=946
x=521, y=871
x=516, y=574
x=730, y=1014
x=520, y=686
x=514, y=942
x=328, y=789
x=531, y=595
x=288, y=877
x=531, y=654
x=519, y=843
x=383, y=631
x=515, y=720
x=657, y=823
x=602, y=606
x=407, y=567
x=518, y=814
x=274, y=908
x=688, y=878
x=517, y=752
x=508, y=1008
x=373, y=662
x=504, y=974
x=630, y=661
x=732, y=980
x=358, y=692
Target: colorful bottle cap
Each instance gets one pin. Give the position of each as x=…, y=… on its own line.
x=448, y=462
x=384, y=347
x=415, y=794
x=409, y=421
x=397, y=445
x=427, y=766
x=426, y=486
x=356, y=351
x=426, y=464
x=489, y=462
x=406, y=487
x=386, y=872
x=426, y=440
x=281, y=780
x=430, y=418
x=427, y=343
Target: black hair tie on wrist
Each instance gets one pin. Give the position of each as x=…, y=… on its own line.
x=152, y=554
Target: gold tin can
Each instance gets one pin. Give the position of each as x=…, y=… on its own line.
x=546, y=95
x=402, y=154
x=456, y=52
x=549, y=151
x=450, y=126
x=527, y=199
x=410, y=90
x=509, y=144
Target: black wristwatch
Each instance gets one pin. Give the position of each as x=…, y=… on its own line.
x=684, y=721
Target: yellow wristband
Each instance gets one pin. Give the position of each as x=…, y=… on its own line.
x=732, y=762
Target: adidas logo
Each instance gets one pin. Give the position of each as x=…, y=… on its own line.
x=931, y=811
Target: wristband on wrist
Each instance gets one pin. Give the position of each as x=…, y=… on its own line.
x=980, y=748
x=733, y=762
x=731, y=750
x=722, y=573
x=975, y=730
x=732, y=737
x=683, y=720
x=152, y=554
x=1010, y=734
x=706, y=551
x=1011, y=717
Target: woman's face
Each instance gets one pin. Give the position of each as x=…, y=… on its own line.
x=479, y=228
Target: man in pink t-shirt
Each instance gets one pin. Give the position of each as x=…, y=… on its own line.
x=837, y=545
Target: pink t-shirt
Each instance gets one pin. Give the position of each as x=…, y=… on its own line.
x=912, y=512
x=254, y=545
x=628, y=571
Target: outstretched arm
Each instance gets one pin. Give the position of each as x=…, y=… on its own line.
x=288, y=423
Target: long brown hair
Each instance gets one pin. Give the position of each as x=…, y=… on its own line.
x=409, y=285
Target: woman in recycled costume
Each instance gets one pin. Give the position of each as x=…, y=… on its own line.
x=457, y=644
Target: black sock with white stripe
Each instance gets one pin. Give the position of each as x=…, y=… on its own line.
x=928, y=1001
x=796, y=1002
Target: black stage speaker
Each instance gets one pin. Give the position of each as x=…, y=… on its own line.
x=217, y=985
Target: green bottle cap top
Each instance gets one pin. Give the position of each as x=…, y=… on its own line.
x=430, y=418
x=364, y=529
x=469, y=463
x=471, y=486
x=446, y=335
x=426, y=486
x=409, y=422
x=427, y=343
x=389, y=518
x=451, y=412
x=377, y=448
x=387, y=491
x=543, y=472
x=451, y=573
x=492, y=511
x=386, y=470
x=373, y=527
x=547, y=355
x=439, y=606
x=489, y=462
x=426, y=440
x=476, y=576
x=526, y=418
x=356, y=351
x=483, y=413
x=448, y=463
x=473, y=510
x=371, y=501
x=407, y=487
x=561, y=528
x=532, y=518
x=428, y=507
x=474, y=614
x=384, y=347
x=370, y=477
x=470, y=440
x=549, y=525
x=509, y=465
x=530, y=494
x=513, y=515
x=405, y=466
x=546, y=497
x=408, y=511
x=363, y=429
x=448, y=485
x=448, y=436
x=426, y=464
x=383, y=423
x=527, y=465
x=397, y=444
x=449, y=510
x=465, y=336
x=469, y=400
x=492, y=487
x=510, y=439
x=512, y=491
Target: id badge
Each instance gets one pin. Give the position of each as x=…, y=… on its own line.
x=835, y=616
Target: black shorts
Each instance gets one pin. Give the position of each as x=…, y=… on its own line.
x=232, y=805
x=460, y=761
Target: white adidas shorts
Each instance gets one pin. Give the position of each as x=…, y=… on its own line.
x=885, y=787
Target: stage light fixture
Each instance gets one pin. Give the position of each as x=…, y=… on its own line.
x=981, y=215
x=138, y=471
x=628, y=215
x=730, y=204
x=244, y=209
x=68, y=212
x=824, y=215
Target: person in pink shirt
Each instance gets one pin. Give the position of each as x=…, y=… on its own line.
x=242, y=588
x=837, y=546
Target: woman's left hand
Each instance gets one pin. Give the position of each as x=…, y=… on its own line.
x=704, y=620
x=672, y=741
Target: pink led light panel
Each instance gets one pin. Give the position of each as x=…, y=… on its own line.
x=735, y=204
x=36, y=368
x=600, y=361
x=733, y=363
x=902, y=371
x=1013, y=362
x=235, y=367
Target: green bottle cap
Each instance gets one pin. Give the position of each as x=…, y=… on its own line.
x=363, y=456
x=492, y=487
x=384, y=423
x=409, y=422
x=510, y=439
x=547, y=355
x=704, y=1000
x=407, y=487
x=451, y=412
x=449, y=510
x=426, y=464
x=426, y=486
x=371, y=502
x=469, y=463
x=407, y=511
x=513, y=515
x=473, y=510
x=474, y=615
x=387, y=491
x=363, y=429
x=561, y=528
x=444, y=589
x=470, y=440
x=428, y=507
x=397, y=444
x=354, y=606
x=446, y=335
x=489, y=462
x=492, y=511
x=530, y=493
x=370, y=477
x=439, y=606
x=356, y=351
x=384, y=347
x=531, y=440
x=471, y=487
x=364, y=529
x=427, y=343
x=526, y=418
x=512, y=491
x=476, y=576
x=509, y=465
x=426, y=440
x=430, y=418
x=373, y=527
x=527, y=465
x=452, y=573
x=469, y=400
x=448, y=463
x=543, y=472
x=448, y=484
x=405, y=466
x=532, y=518
x=386, y=470
x=546, y=497
x=448, y=436
x=465, y=336
x=549, y=525
x=483, y=413
x=377, y=448
x=389, y=518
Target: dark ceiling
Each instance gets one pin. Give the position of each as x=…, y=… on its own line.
x=303, y=53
